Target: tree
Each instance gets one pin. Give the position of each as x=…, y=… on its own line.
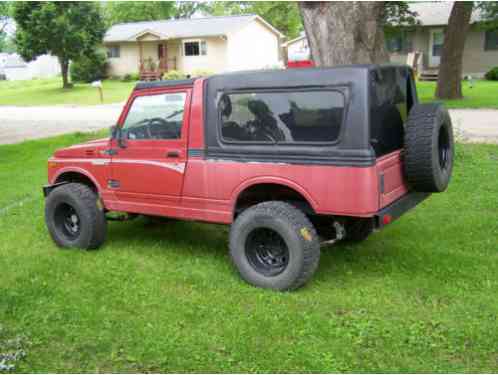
x=284, y=16
x=63, y=29
x=6, y=44
x=186, y=9
x=449, y=84
x=352, y=32
x=134, y=11
x=5, y=8
x=450, y=70
x=4, y=21
x=345, y=32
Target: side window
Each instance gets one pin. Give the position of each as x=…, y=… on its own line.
x=281, y=117
x=156, y=117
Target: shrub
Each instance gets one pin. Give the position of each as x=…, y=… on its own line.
x=174, y=74
x=201, y=73
x=130, y=77
x=90, y=67
x=492, y=75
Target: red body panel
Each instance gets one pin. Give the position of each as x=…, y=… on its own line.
x=196, y=188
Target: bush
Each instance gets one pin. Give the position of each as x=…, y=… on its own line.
x=492, y=75
x=130, y=77
x=174, y=74
x=89, y=68
x=201, y=73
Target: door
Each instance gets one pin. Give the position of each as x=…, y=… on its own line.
x=150, y=166
x=435, y=47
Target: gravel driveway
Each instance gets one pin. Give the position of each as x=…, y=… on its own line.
x=21, y=123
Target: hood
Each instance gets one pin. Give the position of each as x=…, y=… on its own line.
x=90, y=149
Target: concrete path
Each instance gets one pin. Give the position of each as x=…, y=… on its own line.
x=21, y=123
x=475, y=125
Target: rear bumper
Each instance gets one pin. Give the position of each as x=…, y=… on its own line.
x=393, y=211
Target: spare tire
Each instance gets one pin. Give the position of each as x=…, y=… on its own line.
x=429, y=148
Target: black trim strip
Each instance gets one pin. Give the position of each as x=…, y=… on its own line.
x=340, y=161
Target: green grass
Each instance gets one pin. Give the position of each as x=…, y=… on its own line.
x=484, y=94
x=49, y=92
x=419, y=296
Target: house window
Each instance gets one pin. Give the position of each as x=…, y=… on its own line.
x=195, y=48
x=113, y=52
x=491, y=40
x=399, y=43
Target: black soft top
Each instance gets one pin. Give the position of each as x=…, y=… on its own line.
x=355, y=82
x=279, y=78
x=168, y=83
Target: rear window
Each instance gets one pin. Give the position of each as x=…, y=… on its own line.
x=281, y=117
x=390, y=101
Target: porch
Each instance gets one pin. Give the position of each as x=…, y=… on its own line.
x=155, y=58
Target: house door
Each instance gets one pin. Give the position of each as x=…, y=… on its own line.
x=160, y=51
x=435, y=47
x=151, y=165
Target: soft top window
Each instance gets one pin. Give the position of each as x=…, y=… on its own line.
x=281, y=117
x=390, y=102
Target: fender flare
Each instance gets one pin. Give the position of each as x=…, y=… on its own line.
x=270, y=180
x=79, y=170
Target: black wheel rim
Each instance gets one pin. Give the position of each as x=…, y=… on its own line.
x=444, y=147
x=67, y=221
x=267, y=252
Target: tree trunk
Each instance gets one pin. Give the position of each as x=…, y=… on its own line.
x=343, y=32
x=65, y=73
x=449, y=85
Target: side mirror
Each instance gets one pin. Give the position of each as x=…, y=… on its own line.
x=118, y=134
x=114, y=130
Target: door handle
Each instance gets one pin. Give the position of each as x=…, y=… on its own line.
x=173, y=154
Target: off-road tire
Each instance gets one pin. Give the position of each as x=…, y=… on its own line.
x=90, y=213
x=428, y=140
x=358, y=230
x=296, y=231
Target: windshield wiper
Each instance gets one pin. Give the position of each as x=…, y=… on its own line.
x=174, y=114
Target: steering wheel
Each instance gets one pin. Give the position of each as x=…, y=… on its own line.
x=157, y=121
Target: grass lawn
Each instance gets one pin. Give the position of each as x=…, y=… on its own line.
x=49, y=92
x=420, y=296
x=484, y=94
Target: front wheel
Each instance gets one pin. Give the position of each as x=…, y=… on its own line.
x=275, y=246
x=74, y=217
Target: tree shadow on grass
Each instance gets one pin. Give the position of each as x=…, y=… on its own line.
x=175, y=235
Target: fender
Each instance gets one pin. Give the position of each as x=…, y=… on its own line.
x=76, y=170
x=271, y=180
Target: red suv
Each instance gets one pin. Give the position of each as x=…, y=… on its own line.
x=290, y=159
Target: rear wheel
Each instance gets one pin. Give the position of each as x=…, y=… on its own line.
x=75, y=217
x=274, y=245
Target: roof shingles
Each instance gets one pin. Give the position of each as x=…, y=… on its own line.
x=181, y=28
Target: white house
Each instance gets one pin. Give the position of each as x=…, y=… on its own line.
x=214, y=44
x=15, y=68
